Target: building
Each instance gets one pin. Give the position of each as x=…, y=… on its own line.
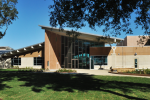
x=5, y=62
x=31, y=56
x=62, y=51
x=135, y=41
x=87, y=51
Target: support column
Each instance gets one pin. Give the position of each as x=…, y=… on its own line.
x=113, y=57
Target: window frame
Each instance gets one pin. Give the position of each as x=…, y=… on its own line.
x=17, y=59
x=101, y=56
x=35, y=63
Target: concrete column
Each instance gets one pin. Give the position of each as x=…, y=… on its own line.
x=113, y=57
x=113, y=60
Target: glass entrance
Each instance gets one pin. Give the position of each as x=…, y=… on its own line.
x=75, y=52
x=75, y=63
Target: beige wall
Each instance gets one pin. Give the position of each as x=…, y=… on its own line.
x=123, y=57
x=133, y=41
x=28, y=62
x=25, y=62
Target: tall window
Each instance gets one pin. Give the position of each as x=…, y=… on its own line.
x=75, y=52
x=38, y=60
x=100, y=60
x=16, y=61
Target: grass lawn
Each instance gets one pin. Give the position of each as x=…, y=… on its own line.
x=48, y=86
x=8, y=69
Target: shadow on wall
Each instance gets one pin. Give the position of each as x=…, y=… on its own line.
x=83, y=83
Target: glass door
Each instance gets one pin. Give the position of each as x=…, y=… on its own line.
x=92, y=62
x=75, y=63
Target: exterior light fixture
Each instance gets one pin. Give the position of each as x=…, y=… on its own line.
x=40, y=45
x=118, y=53
x=38, y=55
x=135, y=54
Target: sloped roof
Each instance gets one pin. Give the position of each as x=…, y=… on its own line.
x=23, y=50
x=84, y=36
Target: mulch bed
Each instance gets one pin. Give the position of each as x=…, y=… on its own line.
x=132, y=74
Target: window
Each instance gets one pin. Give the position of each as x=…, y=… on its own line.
x=16, y=61
x=38, y=60
x=47, y=63
x=100, y=60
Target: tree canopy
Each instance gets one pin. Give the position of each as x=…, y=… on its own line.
x=8, y=13
x=113, y=14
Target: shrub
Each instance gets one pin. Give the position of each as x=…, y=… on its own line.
x=65, y=70
x=16, y=67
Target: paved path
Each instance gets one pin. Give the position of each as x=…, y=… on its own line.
x=100, y=72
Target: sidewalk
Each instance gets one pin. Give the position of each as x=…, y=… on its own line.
x=98, y=72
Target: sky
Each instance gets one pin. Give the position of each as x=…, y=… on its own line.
x=25, y=30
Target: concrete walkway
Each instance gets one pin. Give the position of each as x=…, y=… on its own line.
x=99, y=72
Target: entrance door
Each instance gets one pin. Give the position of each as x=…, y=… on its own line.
x=135, y=63
x=92, y=62
x=75, y=63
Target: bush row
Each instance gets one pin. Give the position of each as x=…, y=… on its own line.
x=66, y=70
x=139, y=71
x=27, y=69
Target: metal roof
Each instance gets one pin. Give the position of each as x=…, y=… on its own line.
x=86, y=36
x=25, y=49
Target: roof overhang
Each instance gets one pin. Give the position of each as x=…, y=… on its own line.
x=20, y=51
x=83, y=36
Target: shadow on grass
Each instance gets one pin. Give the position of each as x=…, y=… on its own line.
x=61, y=82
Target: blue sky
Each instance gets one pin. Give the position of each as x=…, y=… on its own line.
x=25, y=30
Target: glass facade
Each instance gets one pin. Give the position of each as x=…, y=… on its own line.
x=100, y=60
x=4, y=51
x=75, y=52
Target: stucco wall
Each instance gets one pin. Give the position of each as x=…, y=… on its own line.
x=133, y=41
x=28, y=62
x=123, y=57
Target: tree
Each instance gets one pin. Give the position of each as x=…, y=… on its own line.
x=113, y=14
x=8, y=13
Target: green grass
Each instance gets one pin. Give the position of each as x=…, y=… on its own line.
x=8, y=69
x=47, y=86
